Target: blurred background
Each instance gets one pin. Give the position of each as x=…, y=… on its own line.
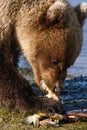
x=80, y=66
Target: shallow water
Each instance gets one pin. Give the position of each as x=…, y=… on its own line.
x=75, y=95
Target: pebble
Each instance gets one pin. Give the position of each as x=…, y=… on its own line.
x=1, y=119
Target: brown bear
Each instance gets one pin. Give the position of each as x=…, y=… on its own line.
x=49, y=34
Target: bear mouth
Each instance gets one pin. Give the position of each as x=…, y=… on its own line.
x=50, y=94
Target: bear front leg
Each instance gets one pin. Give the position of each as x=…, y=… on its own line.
x=17, y=94
x=12, y=87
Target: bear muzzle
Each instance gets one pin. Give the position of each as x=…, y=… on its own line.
x=51, y=93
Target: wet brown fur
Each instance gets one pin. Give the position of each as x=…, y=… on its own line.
x=50, y=38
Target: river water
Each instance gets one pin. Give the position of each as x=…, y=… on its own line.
x=80, y=66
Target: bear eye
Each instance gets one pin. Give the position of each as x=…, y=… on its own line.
x=55, y=62
x=56, y=21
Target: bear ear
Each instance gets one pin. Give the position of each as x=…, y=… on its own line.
x=57, y=14
x=81, y=11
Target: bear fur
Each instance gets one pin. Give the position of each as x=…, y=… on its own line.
x=49, y=34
